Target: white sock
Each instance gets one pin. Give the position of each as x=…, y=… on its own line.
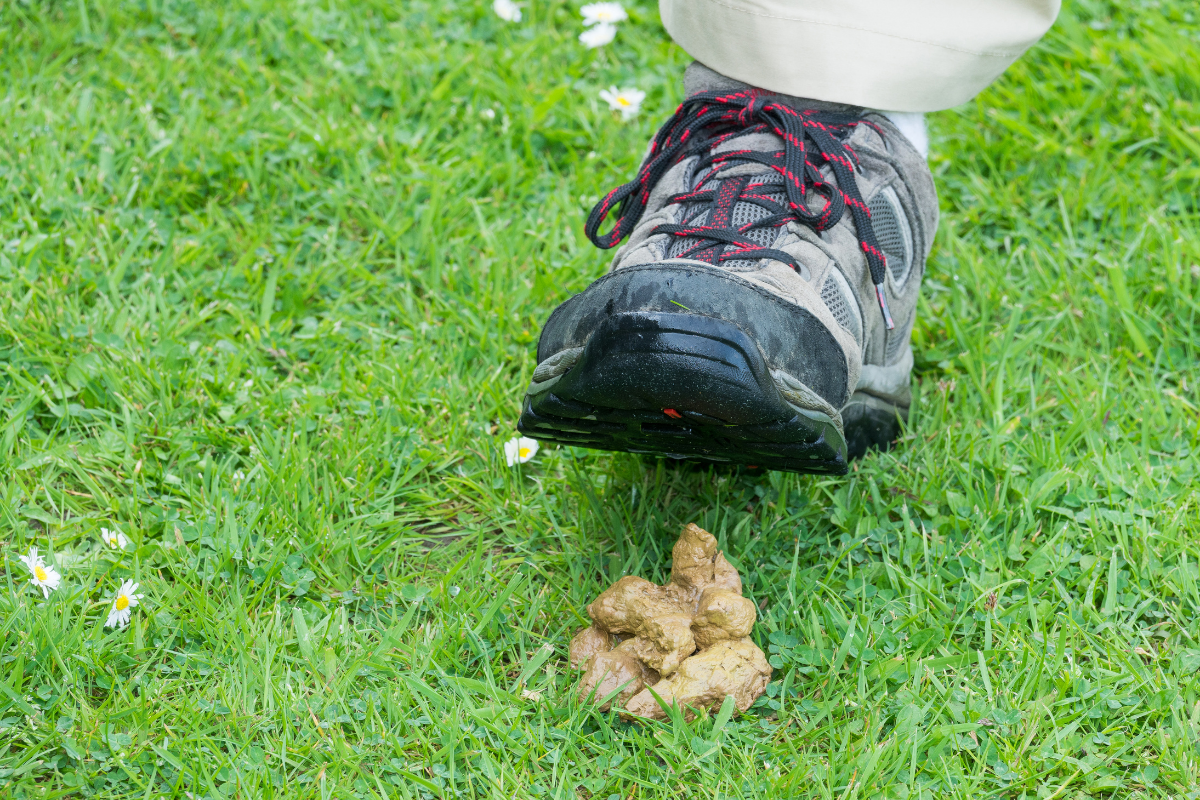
x=912, y=125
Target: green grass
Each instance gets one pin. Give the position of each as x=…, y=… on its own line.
x=270, y=282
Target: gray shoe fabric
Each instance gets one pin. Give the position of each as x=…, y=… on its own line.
x=746, y=359
x=834, y=287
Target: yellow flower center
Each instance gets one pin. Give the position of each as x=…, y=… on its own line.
x=623, y=101
x=40, y=573
x=524, y=452
x=122, y=602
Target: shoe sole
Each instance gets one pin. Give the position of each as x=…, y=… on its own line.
x=692, y=387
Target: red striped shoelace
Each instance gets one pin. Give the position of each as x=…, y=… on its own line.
x=811, y=139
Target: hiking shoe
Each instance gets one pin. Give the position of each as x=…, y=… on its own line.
x=761, y=311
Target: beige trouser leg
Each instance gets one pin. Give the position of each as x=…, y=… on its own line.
x=903, y=55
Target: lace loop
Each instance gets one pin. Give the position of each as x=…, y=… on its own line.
x=811, y=139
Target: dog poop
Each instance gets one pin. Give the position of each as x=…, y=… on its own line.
x=687, y=641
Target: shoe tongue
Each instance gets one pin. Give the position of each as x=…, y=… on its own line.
x=699, y=78
x=742, y=212
x=763, y=142
x=771, y=182
x=767, y=142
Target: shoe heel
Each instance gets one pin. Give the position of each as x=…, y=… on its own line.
x=871, y=424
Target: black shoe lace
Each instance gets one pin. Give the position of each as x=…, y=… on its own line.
x=810, y=139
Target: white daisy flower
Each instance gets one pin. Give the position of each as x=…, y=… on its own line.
x=507, y=10
x=114, y=538
x=599, y=35
x=123, y=603
x=603, y=14
x=627, y=101
x=518, y=451
x=45, y=578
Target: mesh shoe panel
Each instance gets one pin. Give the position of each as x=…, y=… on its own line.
x=680, y=246
x=744, y=214
x=840, y=301
x=893, y=233
x=897, y=340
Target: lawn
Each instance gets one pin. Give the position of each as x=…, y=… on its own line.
x=271, y=277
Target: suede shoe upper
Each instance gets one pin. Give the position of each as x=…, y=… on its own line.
x=829, y=209
x=761, y=308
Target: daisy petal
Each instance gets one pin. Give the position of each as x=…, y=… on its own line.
x=603, y=13
x=599, y=35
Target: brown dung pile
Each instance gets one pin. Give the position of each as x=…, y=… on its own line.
x=689, y=639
